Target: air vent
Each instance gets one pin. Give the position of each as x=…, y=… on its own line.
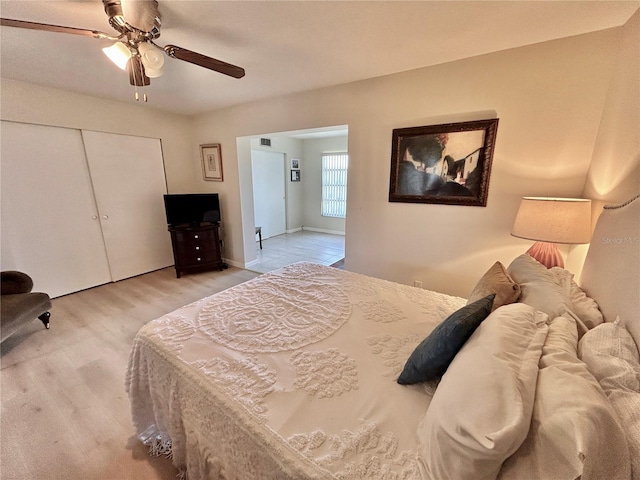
x=265, y=142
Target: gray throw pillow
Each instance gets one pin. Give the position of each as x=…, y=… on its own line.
x=432, y=357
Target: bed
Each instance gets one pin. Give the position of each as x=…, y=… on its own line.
x=311, y=372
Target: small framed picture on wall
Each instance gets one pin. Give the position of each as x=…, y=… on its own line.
x=211, y=162
x=295, y=164
x=295, y=175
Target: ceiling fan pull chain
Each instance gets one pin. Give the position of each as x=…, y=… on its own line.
x=142, y=82
x=135, y=84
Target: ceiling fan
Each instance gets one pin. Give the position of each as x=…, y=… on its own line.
x=135, y=49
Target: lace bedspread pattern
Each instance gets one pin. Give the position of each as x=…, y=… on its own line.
x=288, y=376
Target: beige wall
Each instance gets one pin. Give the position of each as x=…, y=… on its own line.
x=614, y=173
x=549, y=98
x=615, y=166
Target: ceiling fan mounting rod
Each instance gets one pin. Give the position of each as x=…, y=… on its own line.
x=113, y=9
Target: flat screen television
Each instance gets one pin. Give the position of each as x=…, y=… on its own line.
x=192, y=209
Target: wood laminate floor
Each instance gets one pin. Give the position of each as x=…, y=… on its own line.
x=65, y=413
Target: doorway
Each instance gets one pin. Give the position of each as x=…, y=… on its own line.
x=269, y=201
x=299, y=152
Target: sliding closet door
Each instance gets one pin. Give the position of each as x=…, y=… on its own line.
x=129, y=182
x=50, y=226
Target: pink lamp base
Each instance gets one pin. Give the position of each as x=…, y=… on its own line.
x=547, y=254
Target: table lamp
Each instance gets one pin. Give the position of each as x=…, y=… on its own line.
x=550, y=221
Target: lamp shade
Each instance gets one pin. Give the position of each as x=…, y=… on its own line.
x=553, y=220
x=119, y=54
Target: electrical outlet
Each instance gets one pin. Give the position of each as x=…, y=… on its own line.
x=417, y=283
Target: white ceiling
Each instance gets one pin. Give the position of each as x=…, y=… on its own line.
x=284, y=46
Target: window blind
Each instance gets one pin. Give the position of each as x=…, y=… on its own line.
x=334, y=184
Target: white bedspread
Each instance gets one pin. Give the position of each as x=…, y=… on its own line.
x=289, y=376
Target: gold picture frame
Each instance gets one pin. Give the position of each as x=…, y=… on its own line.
x=211, y=162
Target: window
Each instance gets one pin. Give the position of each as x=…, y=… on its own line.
x=334, y=184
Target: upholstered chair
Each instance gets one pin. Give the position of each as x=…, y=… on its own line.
x=19, y=305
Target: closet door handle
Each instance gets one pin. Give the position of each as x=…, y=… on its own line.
x=94, y=217
x=106, y=217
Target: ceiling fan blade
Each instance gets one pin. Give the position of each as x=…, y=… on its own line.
x=204, y=61
x=7, y=22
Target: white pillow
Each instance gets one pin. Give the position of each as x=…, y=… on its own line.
x=612, y=356
x=574, y=430
x=585, y=307
x=563, y=278
x=480, y=412
x=539, y=287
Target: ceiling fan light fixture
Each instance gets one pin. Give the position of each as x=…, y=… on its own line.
x=152, y=72
x=152, y=57
x=119, y=54
x=134, y=49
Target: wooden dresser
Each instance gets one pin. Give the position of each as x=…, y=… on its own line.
x=196, y=249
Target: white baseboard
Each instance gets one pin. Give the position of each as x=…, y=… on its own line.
x=239, y=264
x=322, y=230
x=294, y=230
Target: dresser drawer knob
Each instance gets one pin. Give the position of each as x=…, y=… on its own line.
x=199, y=259
x=197, y=248
x=196, y=236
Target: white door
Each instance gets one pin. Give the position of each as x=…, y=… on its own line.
x=129, y=182
x=50, y=226
x=269, y=209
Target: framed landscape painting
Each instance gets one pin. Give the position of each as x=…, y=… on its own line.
x=447, y=164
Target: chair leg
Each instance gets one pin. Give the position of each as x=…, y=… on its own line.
x=44, y=318
x=259, y=233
